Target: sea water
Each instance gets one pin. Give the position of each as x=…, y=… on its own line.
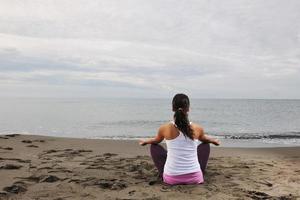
x=236, y=122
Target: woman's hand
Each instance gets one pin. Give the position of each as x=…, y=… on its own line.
x=216, y=142
x=143, y=143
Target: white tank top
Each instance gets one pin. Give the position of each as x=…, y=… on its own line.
x=182, y=157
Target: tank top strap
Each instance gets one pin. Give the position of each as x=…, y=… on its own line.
x=174, y=124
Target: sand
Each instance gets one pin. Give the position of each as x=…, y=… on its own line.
x=39, y=167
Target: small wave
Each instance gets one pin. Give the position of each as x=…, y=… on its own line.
x=271, y=136
x=295, y=135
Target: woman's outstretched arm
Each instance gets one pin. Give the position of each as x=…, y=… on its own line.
x=157, y=139
x=206, y=139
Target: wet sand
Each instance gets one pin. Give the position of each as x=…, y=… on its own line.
x=39, y=167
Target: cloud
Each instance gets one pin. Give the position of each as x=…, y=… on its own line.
x=205, y=48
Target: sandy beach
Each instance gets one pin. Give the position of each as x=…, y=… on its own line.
x=39, y=167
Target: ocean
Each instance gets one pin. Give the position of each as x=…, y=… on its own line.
x=236, y=122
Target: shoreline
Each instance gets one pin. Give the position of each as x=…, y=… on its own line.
x=225, y=142
x=43, y=167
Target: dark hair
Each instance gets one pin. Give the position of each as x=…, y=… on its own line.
x=181, y=104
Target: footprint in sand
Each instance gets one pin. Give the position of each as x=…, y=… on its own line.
x=258, y=195
x=110, y=184
x=228, y=176
x=2, y=195
x=51, y=151
x=10, y=166
x=97, y=167
x=6, y=148
x=16, y=188
x=16, y=159
x=68, y=154
x=12, y=135
x=131, y=192
x=42, y=141
x=26, y=141
x=41, y=179
x=50, y=179
x=33, y=146
x=108, y=155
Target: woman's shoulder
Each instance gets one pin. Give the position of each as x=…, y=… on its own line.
x=197, y=128
x=165, y=126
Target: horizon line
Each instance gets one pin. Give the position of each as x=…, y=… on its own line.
x=196, y=98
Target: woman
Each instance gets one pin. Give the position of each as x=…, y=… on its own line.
x=184, y=161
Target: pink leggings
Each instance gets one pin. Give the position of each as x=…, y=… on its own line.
x=159, y=156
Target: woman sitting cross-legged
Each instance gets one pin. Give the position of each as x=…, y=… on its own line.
x=185, y=159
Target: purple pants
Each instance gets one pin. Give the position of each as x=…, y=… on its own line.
x=159, y=156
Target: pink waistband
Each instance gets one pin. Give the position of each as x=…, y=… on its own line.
x=191, y=178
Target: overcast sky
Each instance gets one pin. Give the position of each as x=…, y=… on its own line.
x=150, y=48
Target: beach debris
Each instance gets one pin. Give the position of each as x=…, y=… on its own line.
x=16, y=188
x=11, y=166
